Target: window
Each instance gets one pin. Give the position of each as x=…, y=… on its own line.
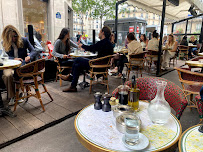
x=134, y=15
x=123, y=15
x=198, y=27
x=154, y=16
x=141, y=14
x=97, y=26
x=188, y=28
x=153, y=23
x=97, y=21
x=146, y=16
x=129, y=10
x=128, y=15
x=134, y=9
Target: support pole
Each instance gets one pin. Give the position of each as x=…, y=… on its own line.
x=161, y=36
x=201, y=34
x=116, y=22
x=116, y=19
x=93, y=33
x=172, y=28
x=186, y=28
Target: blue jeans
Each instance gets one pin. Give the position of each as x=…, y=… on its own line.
x=79, y=65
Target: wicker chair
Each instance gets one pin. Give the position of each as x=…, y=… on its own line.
x=174, y=58
x=191, y=83
x=183, y=49
x=173, y=93
x=50, y=48
x=199, y=107
x=152, y=56
x=60, y=69
x=136, y=61
x=30, y=76
x=100, y=67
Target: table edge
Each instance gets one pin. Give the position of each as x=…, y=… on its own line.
x=11, y=67
x=193, y=64
x=88, y=143
x=180, y=140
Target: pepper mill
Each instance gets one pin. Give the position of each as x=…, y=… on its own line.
x=106, y=107
x=98, y=104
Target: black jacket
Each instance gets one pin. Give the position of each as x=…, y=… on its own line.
x=103, y=47
x=22, y=52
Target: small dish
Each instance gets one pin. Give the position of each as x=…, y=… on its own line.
x=143, y=143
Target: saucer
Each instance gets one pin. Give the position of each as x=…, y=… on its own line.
x=142, y=144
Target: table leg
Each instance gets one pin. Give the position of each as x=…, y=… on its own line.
x=84, y=84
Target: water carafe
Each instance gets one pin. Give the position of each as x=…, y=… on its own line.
x=159, y=110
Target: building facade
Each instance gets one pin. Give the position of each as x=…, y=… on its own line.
x=48, y=17
x=84, y=23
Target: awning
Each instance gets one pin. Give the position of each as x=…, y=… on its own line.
x=172, y=12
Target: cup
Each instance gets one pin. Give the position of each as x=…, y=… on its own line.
x=76, y=52
x=132, y=128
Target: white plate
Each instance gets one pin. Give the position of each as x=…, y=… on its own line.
x=142, y=144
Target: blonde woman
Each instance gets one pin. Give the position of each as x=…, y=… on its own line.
x=16, y=48
x=172, y=46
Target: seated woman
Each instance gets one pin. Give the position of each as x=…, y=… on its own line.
x=153, y=44
x=16, y=48
x=193, y=50
x=134, y=47
x=184, y=41
x=143, y=41
x=172, y=45
x=62, y=49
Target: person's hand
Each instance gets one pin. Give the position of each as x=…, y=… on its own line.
x=80, y=45
x=19, y=59
x=65, y=56
x=69, y=56
x=27, y=59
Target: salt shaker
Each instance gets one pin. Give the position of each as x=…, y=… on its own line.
x=106, y=107
x=98, y=104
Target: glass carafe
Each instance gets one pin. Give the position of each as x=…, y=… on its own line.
x=159, y=110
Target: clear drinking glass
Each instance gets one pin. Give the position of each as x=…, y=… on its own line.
x=132, y=123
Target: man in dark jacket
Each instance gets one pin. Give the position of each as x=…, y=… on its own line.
x=103, y=48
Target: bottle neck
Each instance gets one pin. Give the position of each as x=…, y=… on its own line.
x=160, y=92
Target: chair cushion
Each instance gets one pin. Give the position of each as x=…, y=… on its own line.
x=199, y=106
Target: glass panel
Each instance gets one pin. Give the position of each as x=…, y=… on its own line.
x=179, y=28
x=196, y=25
x=35, y=13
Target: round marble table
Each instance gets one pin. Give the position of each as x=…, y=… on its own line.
x=191, y=140
x=194, y=64
x=96, y=130
x=84, y=55
x=200, y=54
x=10, y=64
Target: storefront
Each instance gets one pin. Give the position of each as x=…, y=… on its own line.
x=35, y=13
x=48, y=17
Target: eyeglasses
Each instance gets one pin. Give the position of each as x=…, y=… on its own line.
x=15, y=36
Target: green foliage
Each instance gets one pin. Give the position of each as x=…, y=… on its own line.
x=81, y=6
x=101, y=8
x=124, y=10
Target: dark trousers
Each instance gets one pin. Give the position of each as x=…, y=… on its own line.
x=66, y=62
x=79, y=65
x=120, y=64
